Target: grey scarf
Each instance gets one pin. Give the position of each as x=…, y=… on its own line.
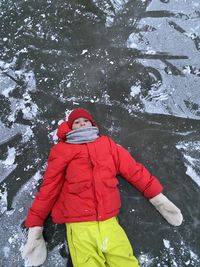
x=82, y=135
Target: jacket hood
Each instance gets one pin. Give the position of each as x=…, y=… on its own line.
x=62, y=130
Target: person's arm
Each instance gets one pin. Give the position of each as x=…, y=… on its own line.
x=135, y=172
x=35, y=247
x=146, y=183
x=49, y=189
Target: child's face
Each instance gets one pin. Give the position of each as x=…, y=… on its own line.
x=81, y=123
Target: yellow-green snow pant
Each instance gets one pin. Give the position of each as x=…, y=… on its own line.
x=99, y=244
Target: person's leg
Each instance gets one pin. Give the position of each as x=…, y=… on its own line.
x=69, y=262
x=83, y=240
x=116, y=246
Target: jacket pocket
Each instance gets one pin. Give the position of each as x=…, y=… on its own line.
x=111, y=195
x=77, y=188
x=78, y=201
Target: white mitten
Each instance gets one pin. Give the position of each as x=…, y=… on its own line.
x=35, y=248
x=167, y=209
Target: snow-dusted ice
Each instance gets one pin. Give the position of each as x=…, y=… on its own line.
x=135, y=66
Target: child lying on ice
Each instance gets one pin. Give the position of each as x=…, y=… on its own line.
x=80, y=190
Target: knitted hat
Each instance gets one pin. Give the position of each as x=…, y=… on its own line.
x=79, y=113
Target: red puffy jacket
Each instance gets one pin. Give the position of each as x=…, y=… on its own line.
x=80, y=181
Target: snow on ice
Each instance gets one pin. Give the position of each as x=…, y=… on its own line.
x=190, y=151
x=173, y=92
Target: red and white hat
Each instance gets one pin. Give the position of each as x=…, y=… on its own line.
x=79, y=113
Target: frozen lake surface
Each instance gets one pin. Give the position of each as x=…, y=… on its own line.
x=135, y=66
